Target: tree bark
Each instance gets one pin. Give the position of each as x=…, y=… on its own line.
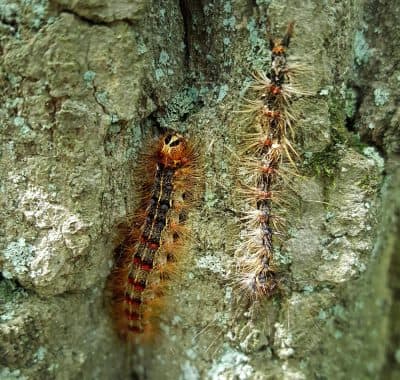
x=86, y=83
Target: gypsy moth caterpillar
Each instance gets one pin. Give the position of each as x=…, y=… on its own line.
x=151, y=248
x=267, y=148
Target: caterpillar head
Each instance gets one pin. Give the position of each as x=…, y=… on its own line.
x=174, y=150
x=278, y=46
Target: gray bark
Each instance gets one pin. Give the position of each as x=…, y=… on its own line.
x=85, y=83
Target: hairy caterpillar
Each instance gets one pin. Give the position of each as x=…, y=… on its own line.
x=268, y=149
x=151, y=249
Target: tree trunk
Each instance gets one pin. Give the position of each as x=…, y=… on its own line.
x=86, y=83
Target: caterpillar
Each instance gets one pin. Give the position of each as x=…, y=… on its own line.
x=154, y=242
x=267, y=150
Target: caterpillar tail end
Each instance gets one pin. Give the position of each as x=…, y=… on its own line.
x=262, y=285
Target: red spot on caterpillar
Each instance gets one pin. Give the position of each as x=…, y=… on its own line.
x=140, y=279
x=146, y=267
x=153, y=246
x=267, y=170
x=269, y=113
x=275, y=90
x=139, y=286
x=266, y=142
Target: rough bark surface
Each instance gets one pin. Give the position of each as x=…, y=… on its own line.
x=84, y=83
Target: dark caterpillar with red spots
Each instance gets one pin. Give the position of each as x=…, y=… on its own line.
x=151, y=249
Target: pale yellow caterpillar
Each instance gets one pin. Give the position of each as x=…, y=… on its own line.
x=267, y=151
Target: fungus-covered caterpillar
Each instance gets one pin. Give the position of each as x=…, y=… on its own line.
x=154, y=242
x=263, y=161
